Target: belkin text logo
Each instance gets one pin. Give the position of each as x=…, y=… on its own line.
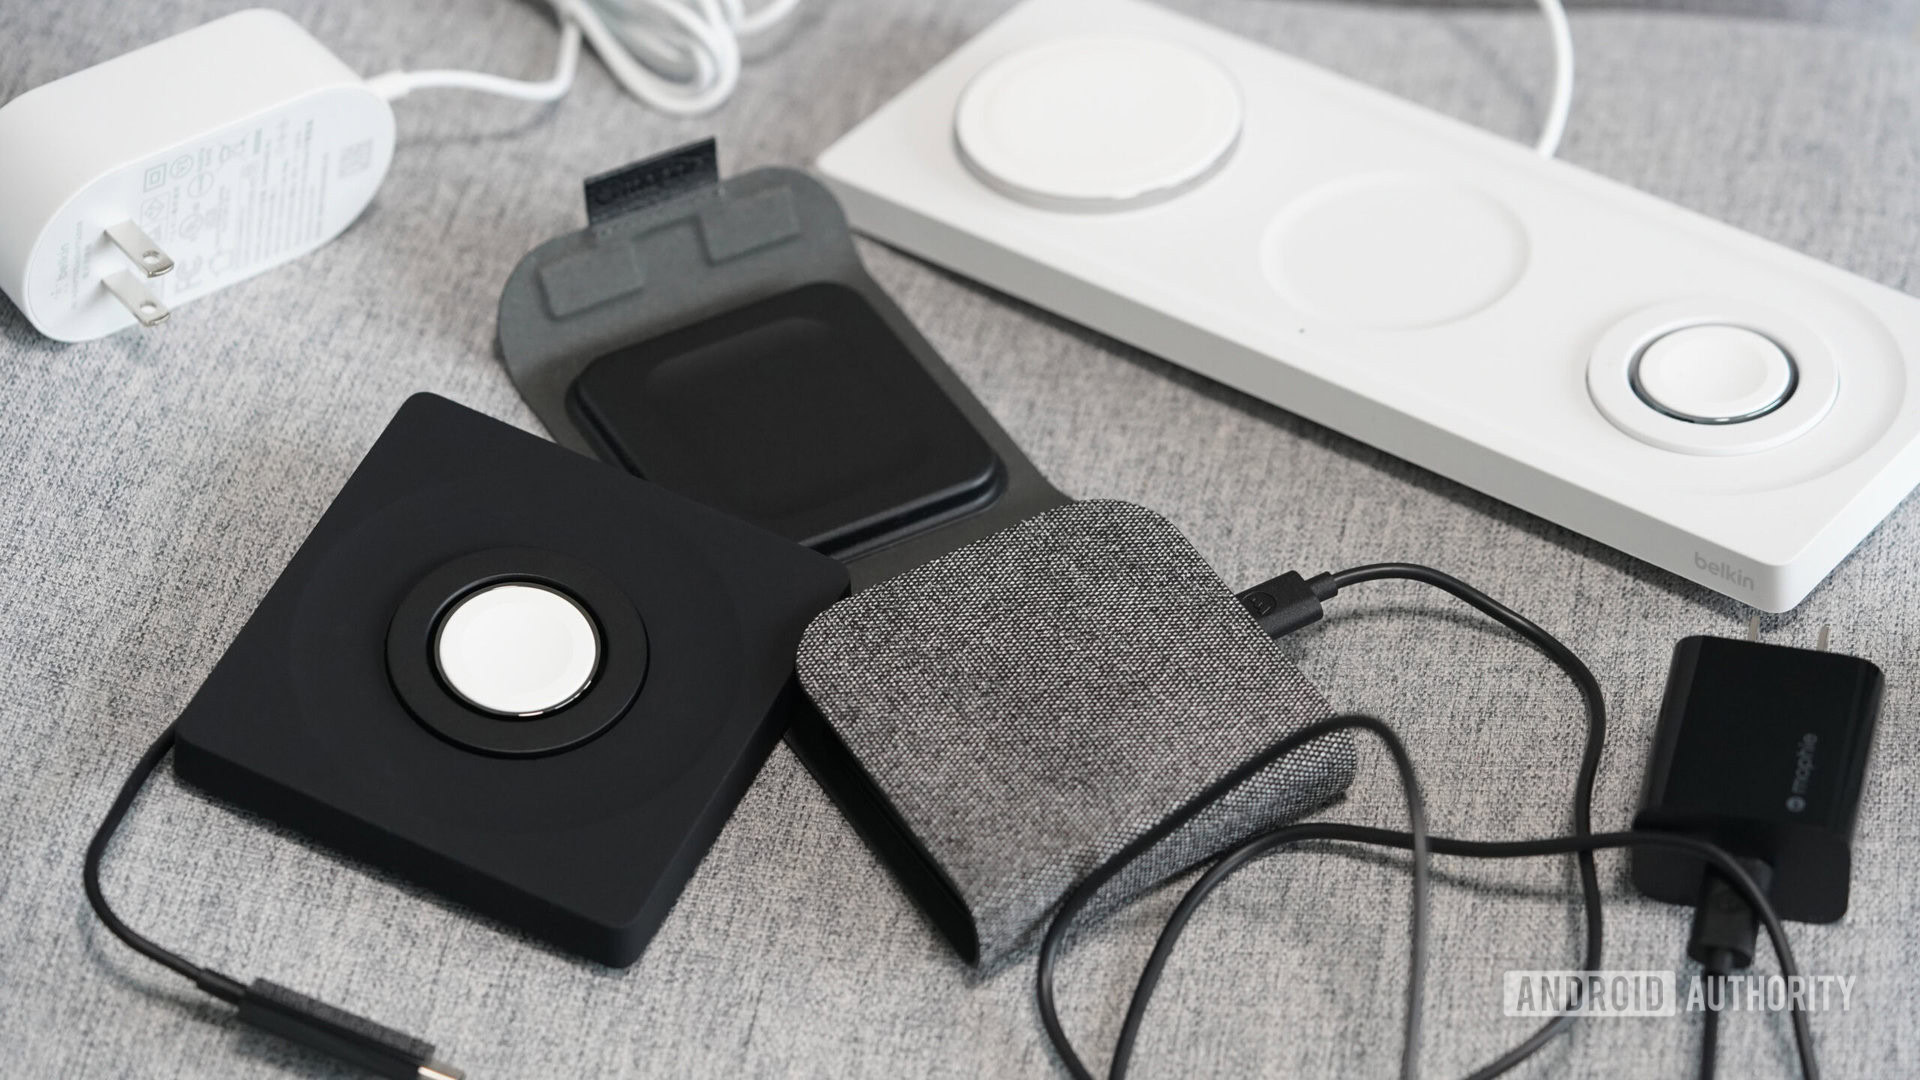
x=1726, y=572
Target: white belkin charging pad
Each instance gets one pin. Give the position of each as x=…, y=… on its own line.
x=1697, y=397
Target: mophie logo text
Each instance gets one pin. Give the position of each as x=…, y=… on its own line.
x=1802, y=771
x=1726, y=572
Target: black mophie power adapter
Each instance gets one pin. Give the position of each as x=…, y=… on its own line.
x=1761, y=749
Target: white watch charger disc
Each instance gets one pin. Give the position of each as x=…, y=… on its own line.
x=1098, y=123
x=517, y=649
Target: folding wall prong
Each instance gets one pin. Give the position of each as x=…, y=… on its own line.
x=137, y=246
x=137, y=298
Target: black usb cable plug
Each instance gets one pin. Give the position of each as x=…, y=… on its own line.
x=379, y=1050
x=355, y=1040
x=1284, y=604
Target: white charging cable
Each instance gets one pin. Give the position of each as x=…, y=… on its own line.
x=1562, y=100
x=681, y=57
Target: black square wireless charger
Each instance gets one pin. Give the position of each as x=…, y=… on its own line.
x=514, y=675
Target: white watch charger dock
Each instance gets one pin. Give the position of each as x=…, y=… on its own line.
x=1713, y=403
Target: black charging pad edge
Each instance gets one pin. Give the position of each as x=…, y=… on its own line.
x=836, y=768
x=511, y=908
x=544, y=353
x=342, y=833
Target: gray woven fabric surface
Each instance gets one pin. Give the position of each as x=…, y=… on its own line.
x=1033, y=702
x=154, y=484
x=1887, y=16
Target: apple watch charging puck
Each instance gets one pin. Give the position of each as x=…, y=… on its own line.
x=516, y=649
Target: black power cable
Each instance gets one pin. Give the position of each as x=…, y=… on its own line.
x=1584, y=778
x=1285, y=604
x=1084, y=892
x=1710, y=1026
x=1722, y=940
x=1737, y=877
x=269, y=1006
x=221, y=986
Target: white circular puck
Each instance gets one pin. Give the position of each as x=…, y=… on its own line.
x=517, y=649
x=1714, y=374
x=1394, y=251
x=1098, y=123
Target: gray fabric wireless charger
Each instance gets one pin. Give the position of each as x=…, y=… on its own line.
x=1001, y=720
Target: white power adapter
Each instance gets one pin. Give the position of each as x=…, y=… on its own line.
x=180, y=168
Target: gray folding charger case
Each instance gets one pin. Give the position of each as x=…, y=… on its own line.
x=1020, y=685
x=1003, y=719
x=722, y=339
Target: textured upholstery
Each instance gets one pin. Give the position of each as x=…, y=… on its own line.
x=152, y=485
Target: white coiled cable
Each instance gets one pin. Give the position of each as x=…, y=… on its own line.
x=681, y=57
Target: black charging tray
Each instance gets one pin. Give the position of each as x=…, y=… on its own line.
x=723, y=339
x=579, y=828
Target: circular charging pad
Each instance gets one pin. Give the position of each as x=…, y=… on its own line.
x=1714, y=374
x=1394, y=251
x=1098, y=123
x=517, y=649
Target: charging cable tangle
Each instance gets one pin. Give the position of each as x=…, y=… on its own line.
x=1286, y=604
x=681, y=57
